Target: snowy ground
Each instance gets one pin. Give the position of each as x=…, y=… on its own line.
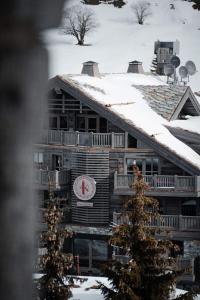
x=119, y=39
x=86, y=290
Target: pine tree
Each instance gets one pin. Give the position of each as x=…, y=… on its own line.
x=154, y=64
x=149, y=274
x=55, y=284
x=196, y=4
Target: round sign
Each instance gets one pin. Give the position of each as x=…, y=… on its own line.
x=84, y=187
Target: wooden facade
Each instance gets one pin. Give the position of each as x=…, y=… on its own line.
x=83, y=138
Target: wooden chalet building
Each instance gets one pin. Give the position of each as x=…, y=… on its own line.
x=98, y=125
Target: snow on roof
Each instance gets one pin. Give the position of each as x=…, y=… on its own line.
x=163, y=99
x=190, y=124
x=118, y=93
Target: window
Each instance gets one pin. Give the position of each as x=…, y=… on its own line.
x=92, y=124
x=53, y=123
x=38, y=157
x=81, y=124
x=148, y=166
x=63, y=122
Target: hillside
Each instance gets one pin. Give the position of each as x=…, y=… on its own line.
x=119, y=39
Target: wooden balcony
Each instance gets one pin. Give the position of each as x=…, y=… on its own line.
x=87, y=139
x=57, y=179
x=174, y=226
x=159, y=185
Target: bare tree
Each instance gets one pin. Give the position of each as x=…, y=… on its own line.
x=78, y=22
x=142, y=11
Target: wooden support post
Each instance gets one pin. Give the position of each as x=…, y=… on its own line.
x=112, y=140
x=126, y=139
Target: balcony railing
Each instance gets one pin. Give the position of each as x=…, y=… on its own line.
x=56, y=179
x=89, y=139
x=172, y=222
x=159, y=183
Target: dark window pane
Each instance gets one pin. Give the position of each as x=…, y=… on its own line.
x=92, y=124
x=81, y=247
x=155, y=165
x=53, y=123
x=103, y=125
x=81, y=123
x=63, y=122
x=99, y=250
x=148, y=166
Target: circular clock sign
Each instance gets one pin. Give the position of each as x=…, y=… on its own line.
x=84, y=187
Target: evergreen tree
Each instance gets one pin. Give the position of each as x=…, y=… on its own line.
x=196, y=4
x=154, y=64
x=55, y=264
x=149, y=273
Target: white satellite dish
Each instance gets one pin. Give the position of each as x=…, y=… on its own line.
x=169, y=69
x=190, y=65
x=175, y=61
x=183, y=72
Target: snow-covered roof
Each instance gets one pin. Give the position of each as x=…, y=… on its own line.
x=190, y=124
x=163, y=99
x=118, y=93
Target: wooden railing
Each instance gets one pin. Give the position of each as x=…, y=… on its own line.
x=172, y=222
x=54, y=178
x=90, y=139
x=159, y=182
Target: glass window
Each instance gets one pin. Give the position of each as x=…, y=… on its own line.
x=130, y=162
x=148, y=166
x=53, y=123
x=81, y=248
x=38, y=157
x=63, y=122
x=155, y=165
x=81, y=124
x=99, y=250
x=92, y=124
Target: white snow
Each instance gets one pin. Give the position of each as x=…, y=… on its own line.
x=85, y=292
x=115, y=91
x=119, y=39
x=191, y=124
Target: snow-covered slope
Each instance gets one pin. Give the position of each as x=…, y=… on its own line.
x=119, y=39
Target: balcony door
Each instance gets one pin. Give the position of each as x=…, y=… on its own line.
x=88, y=123
x=148, y=166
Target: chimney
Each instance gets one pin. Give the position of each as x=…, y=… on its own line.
x=91, y=68
x=135, y=67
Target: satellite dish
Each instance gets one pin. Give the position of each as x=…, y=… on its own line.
x=183, y=72
x=175, y=61
x=190, y=65
x=169, y=69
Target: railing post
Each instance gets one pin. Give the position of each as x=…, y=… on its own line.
x=115, y=180
x=62, y=137
x=197, y=184
x=155, y=180
x=91, y=139
x=180, y=222
x=77, y=138
x=176, y=182
x=112, y=140
x=126, y=139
